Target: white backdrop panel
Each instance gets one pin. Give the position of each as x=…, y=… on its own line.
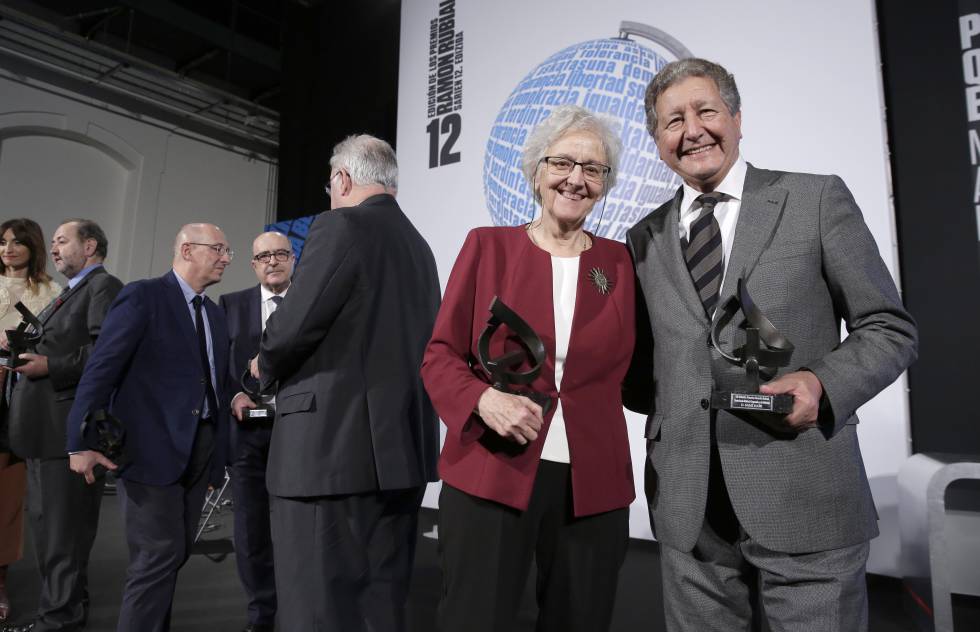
x=811, y=90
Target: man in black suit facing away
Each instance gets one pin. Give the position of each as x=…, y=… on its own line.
x=246, y=312
x=355, y=438
x=63, y=512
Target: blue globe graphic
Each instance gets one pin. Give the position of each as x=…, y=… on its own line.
x=607, y=76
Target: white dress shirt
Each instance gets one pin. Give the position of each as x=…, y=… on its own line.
x=269, y=306
x=726, y=210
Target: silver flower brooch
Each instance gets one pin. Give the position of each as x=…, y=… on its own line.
x=600, y=281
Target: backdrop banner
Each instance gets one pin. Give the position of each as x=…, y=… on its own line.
x=476, y=77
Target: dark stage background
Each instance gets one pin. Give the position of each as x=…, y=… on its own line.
x=937, y=231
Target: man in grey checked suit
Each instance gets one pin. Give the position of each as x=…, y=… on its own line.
x=63, y=511
x=764, y=508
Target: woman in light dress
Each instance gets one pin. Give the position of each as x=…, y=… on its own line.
x=22, y=278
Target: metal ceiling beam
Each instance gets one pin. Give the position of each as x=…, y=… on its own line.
x=221, y=36
x=106, y=15
x=140, y=109
x=42, y=26
x=30, y=47
x=191, y=64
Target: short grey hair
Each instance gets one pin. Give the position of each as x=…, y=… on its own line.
x=563, y=120
x=368, y=160
x=677, y=71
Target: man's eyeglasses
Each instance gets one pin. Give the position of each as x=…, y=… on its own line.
x=326, y=187
x=219, y=249
x=592, y=171
x=266, y=257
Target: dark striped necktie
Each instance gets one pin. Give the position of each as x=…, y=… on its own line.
x=202, y=347
x=704, y=254
x=53, y=306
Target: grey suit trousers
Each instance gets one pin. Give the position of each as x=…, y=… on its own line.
x=63, y=516
x=718, y=584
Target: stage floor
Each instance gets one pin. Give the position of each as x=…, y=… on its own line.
x=210, y=599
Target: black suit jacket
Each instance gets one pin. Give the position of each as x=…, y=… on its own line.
x=243, y=312
x=346, y=345
x=40, y=406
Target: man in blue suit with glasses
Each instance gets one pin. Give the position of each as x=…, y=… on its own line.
x=160, y=367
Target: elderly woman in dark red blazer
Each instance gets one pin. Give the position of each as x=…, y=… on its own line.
x=518, y=484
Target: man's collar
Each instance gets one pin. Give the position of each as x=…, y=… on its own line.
x=75, y=280
x=185, y=287
x=732, y=185
x=267, y=293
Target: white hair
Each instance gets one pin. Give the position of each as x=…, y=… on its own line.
x=565, y=119
x=367, y=159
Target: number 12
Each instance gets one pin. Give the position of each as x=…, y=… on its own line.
x=451, y=124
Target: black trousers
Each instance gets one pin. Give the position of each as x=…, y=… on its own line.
x=63, y=515
x=253, y=533
x=486, y=551
x=161, y=521
x=345, y=561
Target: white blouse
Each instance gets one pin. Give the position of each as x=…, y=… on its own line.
x=564, y=275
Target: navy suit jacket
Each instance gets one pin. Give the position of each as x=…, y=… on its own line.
x=146, y=370
x=243, y=311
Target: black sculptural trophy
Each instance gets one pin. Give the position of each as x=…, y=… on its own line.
x=503, y=377
x=105, y=433
x=263, y=410
x=765, y=348
x=23, y=339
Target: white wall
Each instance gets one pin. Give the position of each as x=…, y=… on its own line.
x=62, y=156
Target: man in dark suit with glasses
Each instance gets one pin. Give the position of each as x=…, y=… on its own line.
x=246, y=312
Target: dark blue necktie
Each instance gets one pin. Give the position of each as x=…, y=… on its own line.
x=202, y=346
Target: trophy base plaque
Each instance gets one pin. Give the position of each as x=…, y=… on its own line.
x=262, y=413
x=12, y=362
x=755, y=402
x=265, y=412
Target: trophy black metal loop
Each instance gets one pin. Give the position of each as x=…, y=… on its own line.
x=764, y=347
x=499, y=368
x=29, y=320
x=264, y=410
x=104, y=433
x=22, y=339
x=778, y=349
x=253, y=394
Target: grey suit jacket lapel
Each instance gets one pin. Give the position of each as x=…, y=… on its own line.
x=665, y=239
x=758, y=217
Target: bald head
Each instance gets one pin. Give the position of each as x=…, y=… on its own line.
x=201, y=255
x=272, y=260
